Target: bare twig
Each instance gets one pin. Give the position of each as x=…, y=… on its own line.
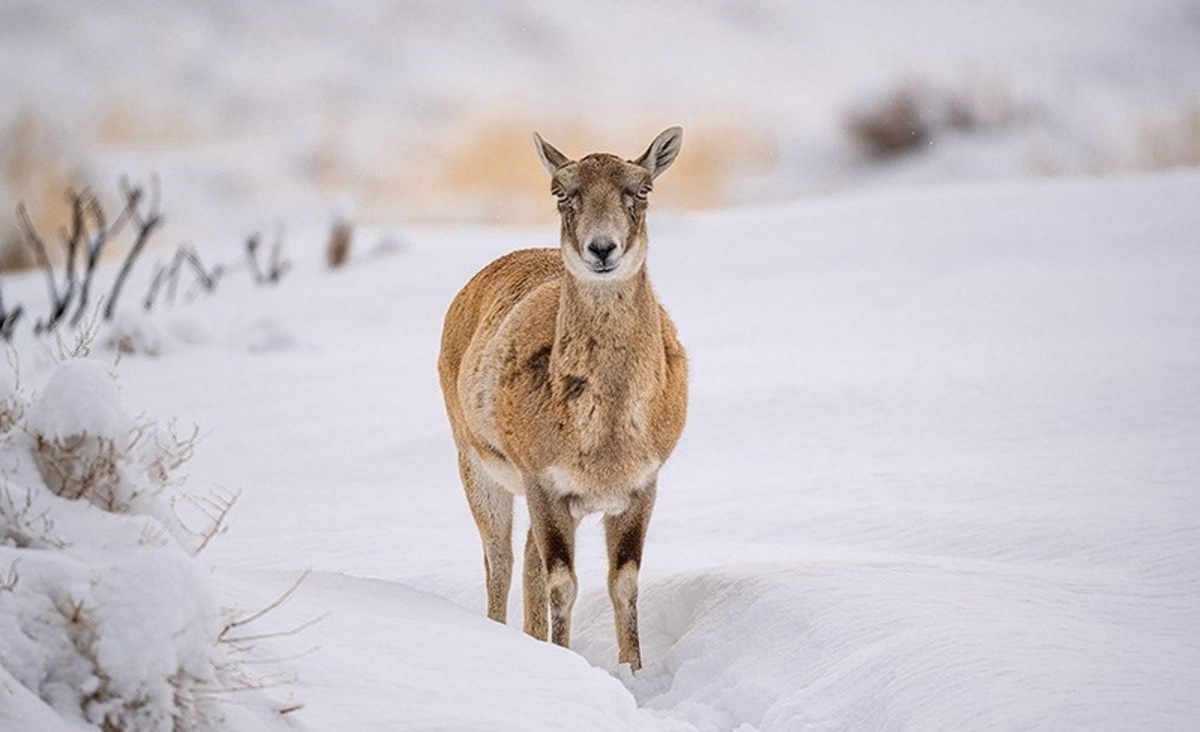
x=206, y=279
x=235, y=623
x=22, y=525
x=95, y=246
x=72, y=238
x=8, y=320
x=31, y=238
x=161, y=273
x=146, y=223
x=279, y=633
x=277, y=265
x=253, y=242
x=274, y=681
x=216, y=509
x=173, y=280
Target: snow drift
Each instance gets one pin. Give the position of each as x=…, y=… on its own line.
x=940, y=472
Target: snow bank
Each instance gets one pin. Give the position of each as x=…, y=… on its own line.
x=106, y=620
x=886, y=644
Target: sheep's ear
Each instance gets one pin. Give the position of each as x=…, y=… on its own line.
x=661, y=153
x=552, y=159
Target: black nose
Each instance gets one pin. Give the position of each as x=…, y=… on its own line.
x=602, y=248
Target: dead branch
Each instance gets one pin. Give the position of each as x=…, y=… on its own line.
x=252, y=245
x=72, y=238
x=8, y=320
x=95, y=245
x=173, y=280
x=145, y=223
x=30, y=236
x=161, y=272
x=206, y=279
x=277, y=265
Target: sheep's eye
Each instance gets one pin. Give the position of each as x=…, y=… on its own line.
x=636, y=199
x=565, y=199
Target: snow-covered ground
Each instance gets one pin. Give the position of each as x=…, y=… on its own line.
x=942, y=465
x=940, y=472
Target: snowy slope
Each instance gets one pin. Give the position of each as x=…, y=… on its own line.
x=940, y=473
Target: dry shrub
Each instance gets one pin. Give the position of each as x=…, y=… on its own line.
x=890, y=126
x=12, y=411
x=912, y=114
x=1170, y=140
x=82, y=466
x=22, y=523
x=341, y=235
x=118, y=477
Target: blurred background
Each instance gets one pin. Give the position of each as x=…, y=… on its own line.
x=407, y=112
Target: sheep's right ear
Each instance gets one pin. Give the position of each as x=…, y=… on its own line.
x=552, y=159
x=661, y=153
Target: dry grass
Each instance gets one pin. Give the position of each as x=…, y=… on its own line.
x=493, y=160
x=119, y=475
x=35, y=168
x=485, y=168
x=130, y=122
x=12, y=413
x=82, y=466
x=23, y=524
x=1170, y=140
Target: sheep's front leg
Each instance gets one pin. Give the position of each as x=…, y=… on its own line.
x=626, y=535
x=534, y=592
x=553, y=528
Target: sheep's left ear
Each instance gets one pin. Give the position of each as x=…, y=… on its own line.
x=661, y=153
x=551, y=158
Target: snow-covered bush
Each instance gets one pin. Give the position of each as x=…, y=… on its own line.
x=106, y=618
x=86, y=446
x=12, y=406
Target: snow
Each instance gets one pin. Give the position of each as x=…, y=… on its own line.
x=106, y=619
x=939, y=473
x=81, y=398
x=940, y=469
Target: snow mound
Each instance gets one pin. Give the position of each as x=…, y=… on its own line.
x=899, y=645
x=81, y=398
x=122, y=637
x=106, y=618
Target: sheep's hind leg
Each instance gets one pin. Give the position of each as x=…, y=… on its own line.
x=492, y=506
